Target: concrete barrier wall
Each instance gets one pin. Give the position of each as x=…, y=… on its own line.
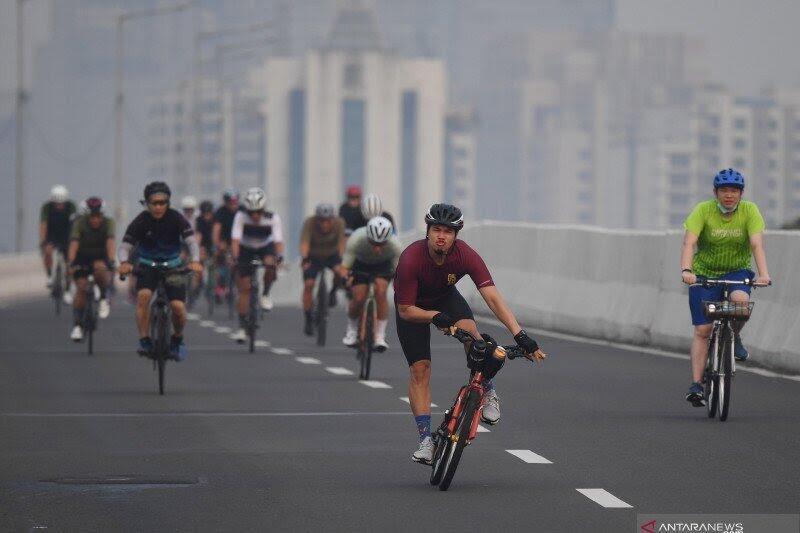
x=625, y=286
x=21, y=276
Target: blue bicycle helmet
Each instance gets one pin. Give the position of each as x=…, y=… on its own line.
x=729, y=178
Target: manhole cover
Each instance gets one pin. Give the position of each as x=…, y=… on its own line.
x=122, y=480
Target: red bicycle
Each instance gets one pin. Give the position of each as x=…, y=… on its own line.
x=460, y=424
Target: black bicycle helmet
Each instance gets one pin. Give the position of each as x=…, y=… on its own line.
x=206, y=206
x=156, y=187
x=445, y=215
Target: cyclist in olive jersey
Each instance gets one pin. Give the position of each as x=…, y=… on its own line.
x=725, y=231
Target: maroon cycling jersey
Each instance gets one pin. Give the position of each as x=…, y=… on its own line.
x=420, y=281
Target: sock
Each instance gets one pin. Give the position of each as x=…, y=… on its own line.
x=423, y=426
x=380, y=327
x=488, y=385
x=352, y=324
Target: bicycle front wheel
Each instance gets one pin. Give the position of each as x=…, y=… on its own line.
x=162, y=348
x=369, y=339
x=712, y=376
x=725, y=374
x=456, y=448
x=322, y=310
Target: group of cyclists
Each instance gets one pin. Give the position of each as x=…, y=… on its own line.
x=359, y=245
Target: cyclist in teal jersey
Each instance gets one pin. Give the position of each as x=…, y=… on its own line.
x=721, y=235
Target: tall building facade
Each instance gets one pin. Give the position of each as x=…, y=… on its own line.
x=353, y=113
x=460, y=160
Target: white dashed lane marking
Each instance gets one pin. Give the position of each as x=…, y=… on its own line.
x=482, y=429
x=604, y=498
x=262, y=344
x=308, y=360
x=530, y=457
x=282, y=351
x=192, y=316
x=375, y=384
x=339, y=370
x=207, y=324
x=405, y=399
x=222, y=329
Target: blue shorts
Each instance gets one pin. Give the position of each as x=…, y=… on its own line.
x=698, y=294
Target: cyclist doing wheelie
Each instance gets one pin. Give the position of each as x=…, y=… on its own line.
x=257, y=234
x=372, y=253
x=55, y=221
x=725, y=231
x=91, y=251
x=157, y=233
x=425, y=293
x=322, y=244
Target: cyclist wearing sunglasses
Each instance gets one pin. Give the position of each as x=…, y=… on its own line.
x=157, y=234
x=425, y=293
x=372, y=253
x=256, y=234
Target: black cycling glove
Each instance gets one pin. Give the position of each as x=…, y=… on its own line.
x=525, y=342
x=442, y=321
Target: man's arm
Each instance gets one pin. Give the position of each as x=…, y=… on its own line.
x=342, y=239
x=757, y=246
x=72, y=251
x=498, y=305
x=305, y=239
x=687, y=255
x=412, y=313
x=111, y=248
x=216, y=231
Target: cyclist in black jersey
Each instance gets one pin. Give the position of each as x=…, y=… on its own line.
x=157, y=233
x=55, y=223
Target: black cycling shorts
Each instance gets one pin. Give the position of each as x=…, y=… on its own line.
x=364, y=273
x=174, y=281
x=318, y=265
x=415, y=338
x=85, y=264
x=246, y=255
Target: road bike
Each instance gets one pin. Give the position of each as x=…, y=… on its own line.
x=366, y=327
x=89, y=315
x=460, y=424
x=254, y=306
x=58, y=278
x=161, y=317
x=321, y=308
x=721, y=364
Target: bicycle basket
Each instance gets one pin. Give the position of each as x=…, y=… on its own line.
x=734, y=310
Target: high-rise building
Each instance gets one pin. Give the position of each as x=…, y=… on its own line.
x=353, y=113
x=461, y=172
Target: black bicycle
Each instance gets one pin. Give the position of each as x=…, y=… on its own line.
x=161, y=318
x=721, y=364
x=89, y=315
x=321, y=308
x=366, y=327
x=58, y=278
x=254, y=306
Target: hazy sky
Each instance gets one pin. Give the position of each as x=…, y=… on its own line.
x=748, y=43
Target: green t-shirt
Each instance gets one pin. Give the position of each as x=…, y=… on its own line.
x=723, y=243
x=91, y=241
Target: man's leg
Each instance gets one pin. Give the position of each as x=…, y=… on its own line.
x=143, y=297
x=381, y=288
x=47, y=258
x=78, y=305
x=354, y=311
x=699, y=351
x=270, y=272
x=308, y=302
x=740, y=352
x=178, y=317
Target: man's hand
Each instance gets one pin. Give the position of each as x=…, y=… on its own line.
x=125, y=268
x=530, y=346
x=689, y=278
x=305, y=263
x=194, y=266
x=443, y=321
x=763, y=281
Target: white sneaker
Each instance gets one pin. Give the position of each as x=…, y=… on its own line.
x=424, y=453
x=103, y=309
x=240, y=335
x=266, y=303
x=77, y=334
x=491, y=408
x=350, y=338
x=380, y=344
x=67, y=298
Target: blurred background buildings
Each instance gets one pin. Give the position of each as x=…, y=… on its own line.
x=534, y=110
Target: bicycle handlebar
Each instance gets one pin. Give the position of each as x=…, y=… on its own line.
x=711, y=282
x=512, y=350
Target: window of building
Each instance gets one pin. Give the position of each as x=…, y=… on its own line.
x=740, y=123
x=585, y=154
x=679, y=160
x=585, y=217
x=352, y=76
x=679, y=180
x=408, y=158
x=678, y=199
x=739, y=143
x=772, y=164
x=712, y=121
x=676, y=219
x=585, y=196
x=772, y=144
x=585, y=176
x=771, y=203
x=738, y=163
x=772, y=124
x=709, y=141
x=353, y=142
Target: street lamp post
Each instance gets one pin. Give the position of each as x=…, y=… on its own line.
x=119, y=180
x=19, y=166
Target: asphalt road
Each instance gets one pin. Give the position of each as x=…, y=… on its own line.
x=284, y=440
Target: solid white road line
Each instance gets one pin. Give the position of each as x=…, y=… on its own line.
x=222, y=329
x=405, y=399
x=604, y=498
x=282, y=351
x=375, y=384
x=339, y=370
x=530, y=457
x=308, y=360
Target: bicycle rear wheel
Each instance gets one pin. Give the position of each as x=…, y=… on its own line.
x=162, y=348
x=462, y=433
x=322, y=310
x=58, y=287
x=89, y=322
x=252, y=318
x=725, y=374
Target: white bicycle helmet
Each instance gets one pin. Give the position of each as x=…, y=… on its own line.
x=189, y=202
x=59, y=194
x=255, y=199
x=324, y=210
x=379, y=229
x=371, y=206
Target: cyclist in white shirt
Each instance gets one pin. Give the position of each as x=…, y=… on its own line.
x=371, y=255
x=256, y=234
